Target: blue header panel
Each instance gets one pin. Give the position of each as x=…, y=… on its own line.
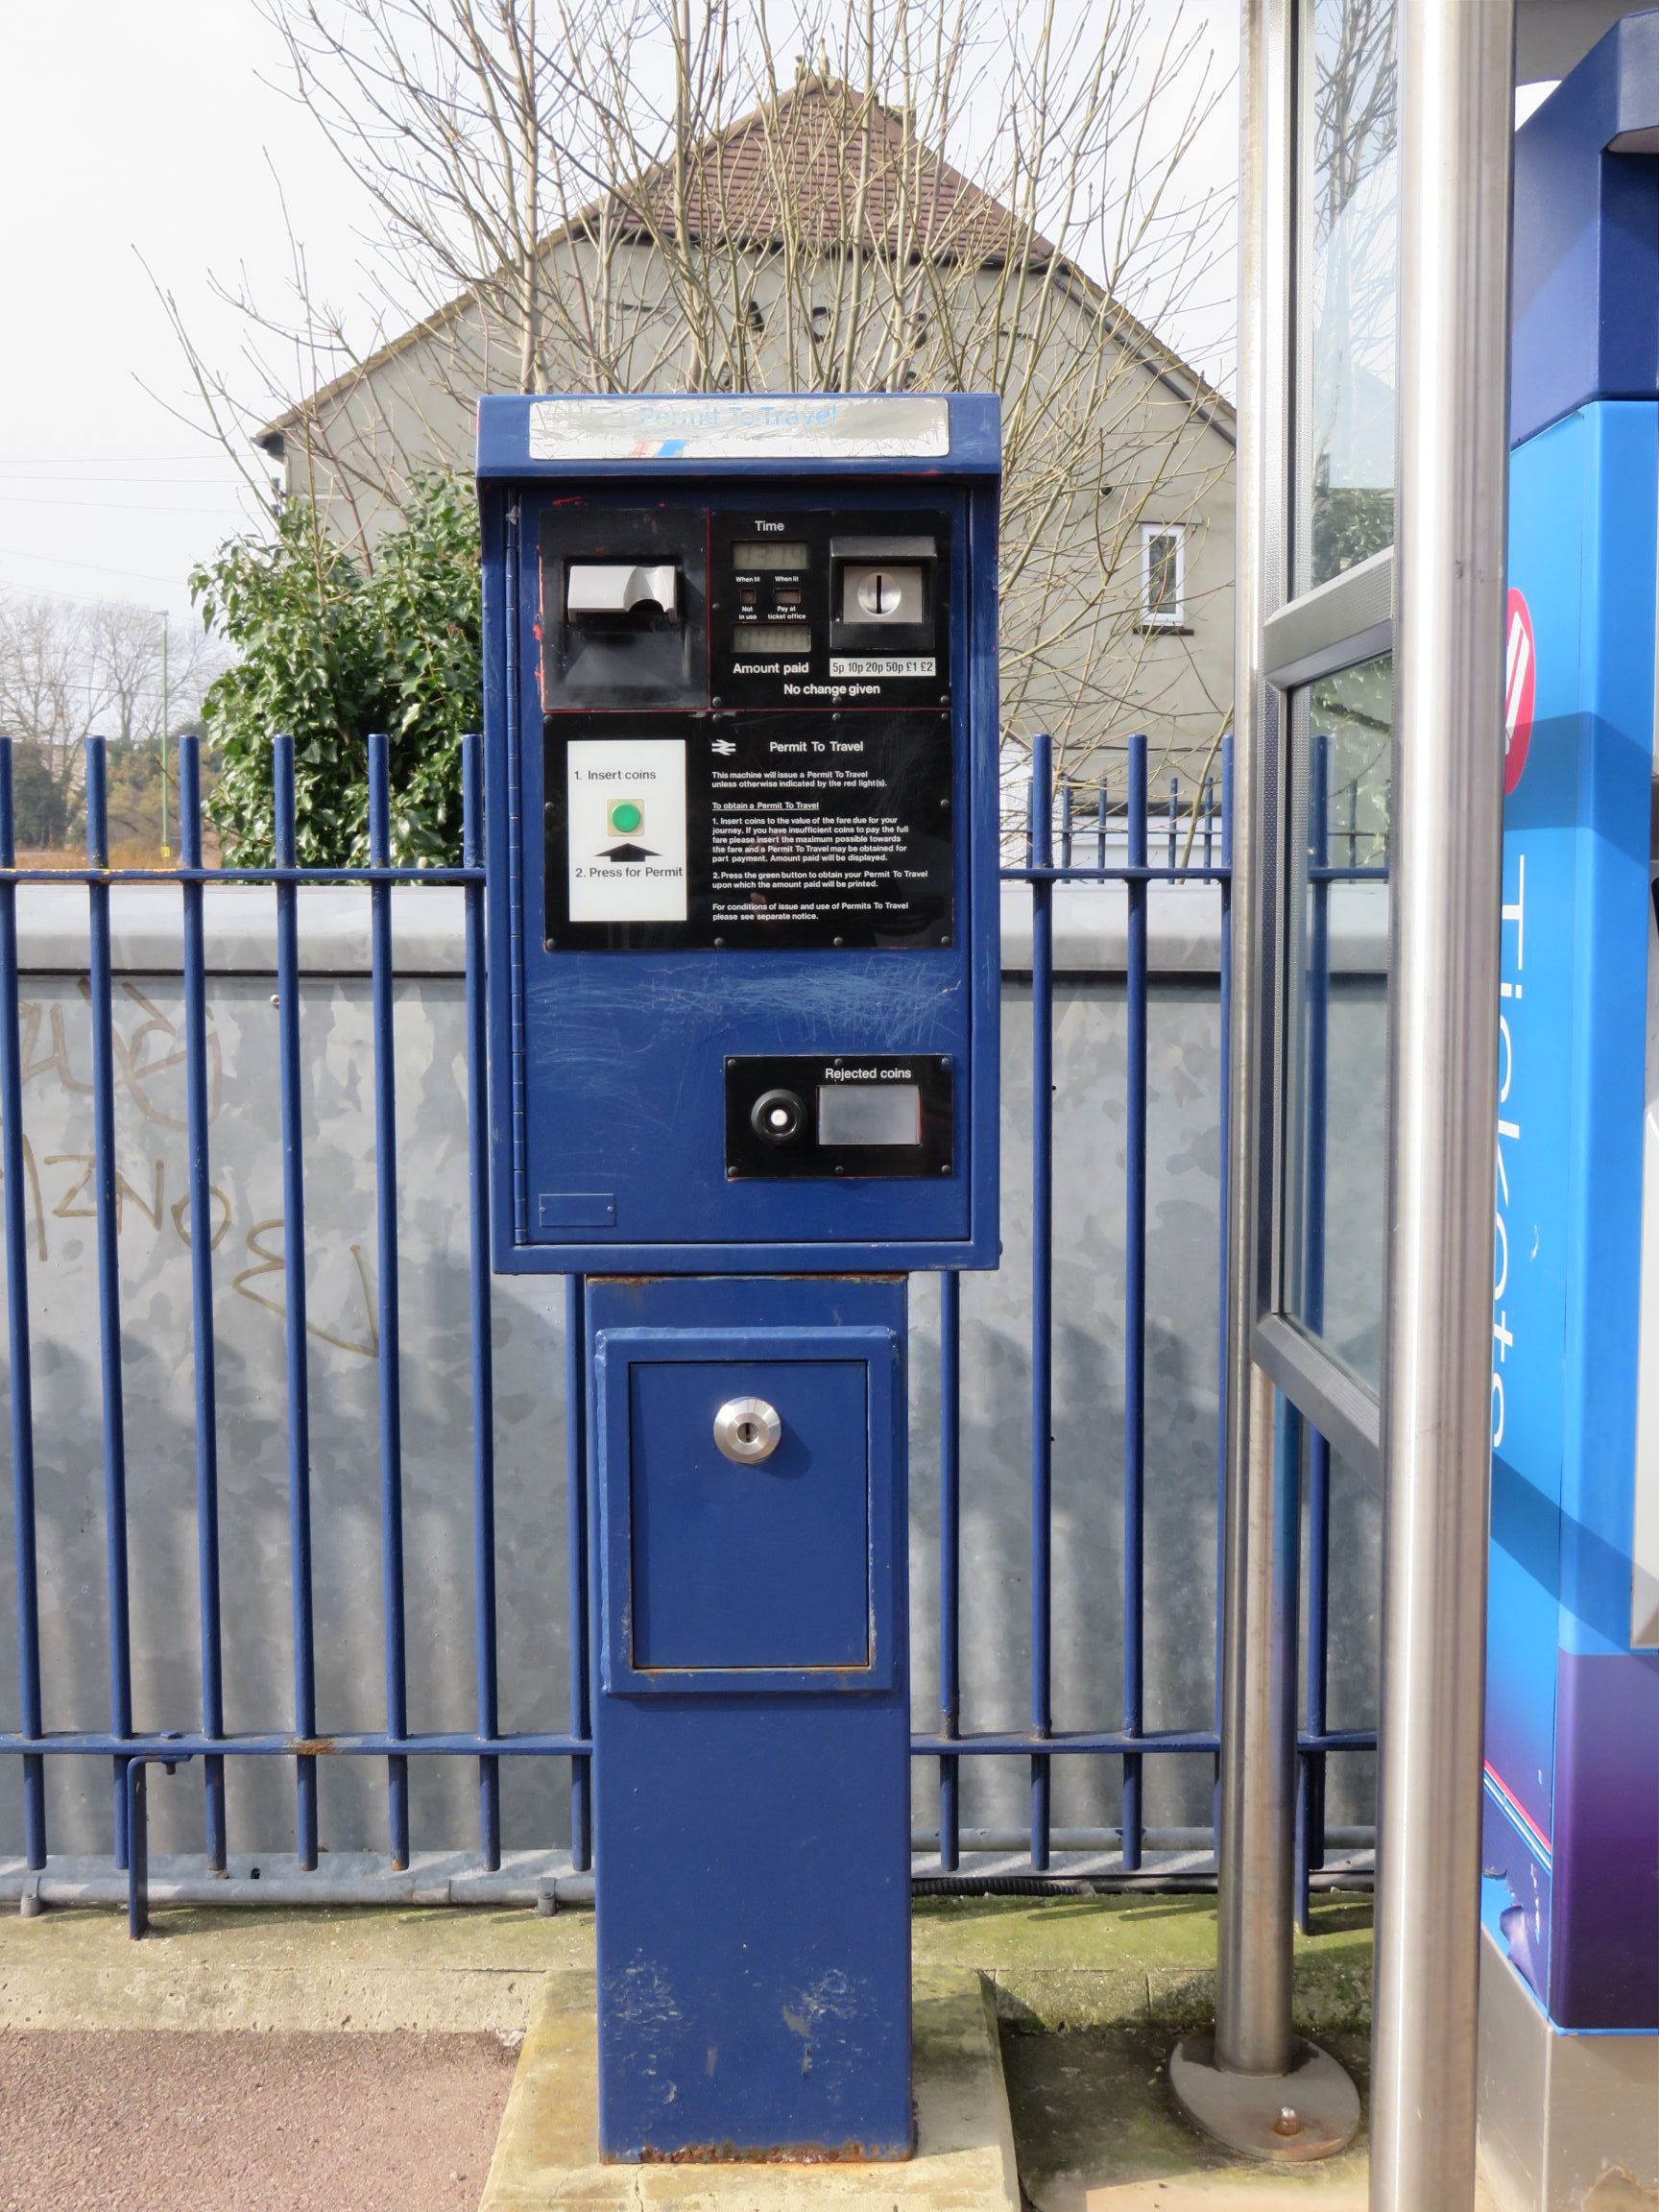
x=740, y=711
x=1586, y=274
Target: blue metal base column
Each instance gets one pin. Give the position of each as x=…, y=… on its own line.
x=752, y=1789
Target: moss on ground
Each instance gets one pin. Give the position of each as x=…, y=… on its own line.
x=1123, y=1958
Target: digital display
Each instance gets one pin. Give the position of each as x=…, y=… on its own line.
x=772, y=637
x=869, y=1113
x=773, y=554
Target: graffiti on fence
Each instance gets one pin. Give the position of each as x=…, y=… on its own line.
x=148, y=1051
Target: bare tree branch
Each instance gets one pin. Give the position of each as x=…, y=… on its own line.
x=626, y=195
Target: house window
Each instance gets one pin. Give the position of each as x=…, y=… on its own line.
x=1162, y=576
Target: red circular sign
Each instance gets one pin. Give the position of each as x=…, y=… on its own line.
x=1520, y=686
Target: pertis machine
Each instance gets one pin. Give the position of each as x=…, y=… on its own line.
x=1571, y=1980
x=741, y=677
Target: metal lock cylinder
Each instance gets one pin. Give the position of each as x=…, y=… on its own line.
x=747, y=1430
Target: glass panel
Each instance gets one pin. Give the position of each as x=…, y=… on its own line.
x=1337, y=1029
x=1345, y=477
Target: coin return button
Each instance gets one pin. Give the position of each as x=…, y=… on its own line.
x=778, y=1115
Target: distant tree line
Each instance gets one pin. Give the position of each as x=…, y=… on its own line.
x=67, y=668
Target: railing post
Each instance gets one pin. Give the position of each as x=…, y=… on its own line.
x=950, y=1564
x=479, y=1284
x=1042, y=1285
x=389, y=1332
x=22, y=1392
x=100, y=981
x=1134, y=1049
x=285, y=854
x=201, y=1335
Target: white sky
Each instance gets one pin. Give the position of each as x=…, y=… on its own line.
x=140, y=128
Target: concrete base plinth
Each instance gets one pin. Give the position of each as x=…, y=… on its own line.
x=547, y=2153
x=1569, y=2123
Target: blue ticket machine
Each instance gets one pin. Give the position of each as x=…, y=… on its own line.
x=1571, y=1983
x=740, y=697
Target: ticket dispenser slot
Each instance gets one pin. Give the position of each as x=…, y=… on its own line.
x=623, y=609
x=598, y=591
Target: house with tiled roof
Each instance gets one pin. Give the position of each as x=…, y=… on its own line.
x=819, y=242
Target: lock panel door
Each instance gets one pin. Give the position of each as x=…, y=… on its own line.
x=737, y=1562
x=729, y=1574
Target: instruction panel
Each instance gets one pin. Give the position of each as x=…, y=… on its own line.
x=626, y=811
x=750, y=830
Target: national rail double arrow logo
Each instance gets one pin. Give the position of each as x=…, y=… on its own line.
x=1520, y=687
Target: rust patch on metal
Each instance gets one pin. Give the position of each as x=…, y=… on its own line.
x=312, y=1747
x=777, y=2154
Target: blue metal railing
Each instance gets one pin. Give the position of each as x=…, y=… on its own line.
x=1134, y=842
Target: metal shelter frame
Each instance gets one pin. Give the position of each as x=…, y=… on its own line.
x=1435, y=601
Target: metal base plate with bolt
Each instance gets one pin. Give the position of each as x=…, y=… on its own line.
x=1310, y=2111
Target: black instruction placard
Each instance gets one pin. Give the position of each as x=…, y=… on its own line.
x=797, y=830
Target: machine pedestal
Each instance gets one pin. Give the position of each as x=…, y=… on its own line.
x=750, y=1725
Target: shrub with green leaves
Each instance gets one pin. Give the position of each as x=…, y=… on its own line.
x=327, y=653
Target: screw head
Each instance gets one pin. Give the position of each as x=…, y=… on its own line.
x=1288, y=2122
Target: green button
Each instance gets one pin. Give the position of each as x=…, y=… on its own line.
x=625, y=817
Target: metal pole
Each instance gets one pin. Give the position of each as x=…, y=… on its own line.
x=1456, y=74
x=1253, y=1837
x=1254, y=2084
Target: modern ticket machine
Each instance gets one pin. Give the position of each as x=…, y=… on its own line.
x=1571, y=1983
x=740, y=685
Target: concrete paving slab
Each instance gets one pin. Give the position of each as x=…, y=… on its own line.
x=547, y=2153
x=286, y=1969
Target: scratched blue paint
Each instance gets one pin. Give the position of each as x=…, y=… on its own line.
x=612, y=1083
